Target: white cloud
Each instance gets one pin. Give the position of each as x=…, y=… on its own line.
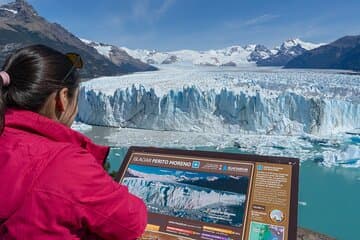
x=258, y=20
x=145, y=10
x=164, y=7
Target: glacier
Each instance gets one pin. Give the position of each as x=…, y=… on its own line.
x=307, y=114
x=194, y=110
x=180, y=196
x=188, y=201
x=239, y=107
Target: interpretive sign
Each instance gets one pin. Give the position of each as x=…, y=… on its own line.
x=212, y=195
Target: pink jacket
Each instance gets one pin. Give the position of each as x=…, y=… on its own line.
x=53, y=185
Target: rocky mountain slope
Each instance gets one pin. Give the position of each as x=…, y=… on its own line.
x=119, y=56
x=21, y=25
x=343, y=53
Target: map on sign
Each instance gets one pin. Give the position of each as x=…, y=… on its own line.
x=261, y=231
x=207, y=195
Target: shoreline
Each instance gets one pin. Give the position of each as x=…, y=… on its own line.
x=305, y=234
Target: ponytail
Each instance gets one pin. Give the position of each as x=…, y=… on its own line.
x=36, y=72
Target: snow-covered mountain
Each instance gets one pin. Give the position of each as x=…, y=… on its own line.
x=287, y=51
x=230, y=56
x=287, y=45
x=118, y=56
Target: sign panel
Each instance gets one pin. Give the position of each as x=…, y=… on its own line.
x=215, y=196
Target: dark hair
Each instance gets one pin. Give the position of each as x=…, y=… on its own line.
x=36, y=72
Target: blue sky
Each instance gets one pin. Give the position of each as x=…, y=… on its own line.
x=203, y=24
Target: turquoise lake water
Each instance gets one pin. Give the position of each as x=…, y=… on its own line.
x=328, y=197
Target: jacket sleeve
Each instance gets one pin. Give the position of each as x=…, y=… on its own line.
x=99, y=204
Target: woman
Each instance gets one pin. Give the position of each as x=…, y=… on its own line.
x=52, y=183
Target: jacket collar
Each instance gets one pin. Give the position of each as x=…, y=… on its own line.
x=37, y=124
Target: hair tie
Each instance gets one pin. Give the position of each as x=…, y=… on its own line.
x=5, y=77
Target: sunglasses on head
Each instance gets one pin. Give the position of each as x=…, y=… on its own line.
x=77, y=63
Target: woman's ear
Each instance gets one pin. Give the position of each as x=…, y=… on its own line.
x=62, y=101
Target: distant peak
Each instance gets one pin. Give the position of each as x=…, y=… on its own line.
x=293, y=42
x=22, y=7
x=250, y=47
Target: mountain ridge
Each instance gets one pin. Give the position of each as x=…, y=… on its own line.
x=343, y=53
x=21, y=25
x=235, y=55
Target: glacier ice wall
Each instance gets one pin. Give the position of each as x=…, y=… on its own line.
x=180, y=196
x=226, y=111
